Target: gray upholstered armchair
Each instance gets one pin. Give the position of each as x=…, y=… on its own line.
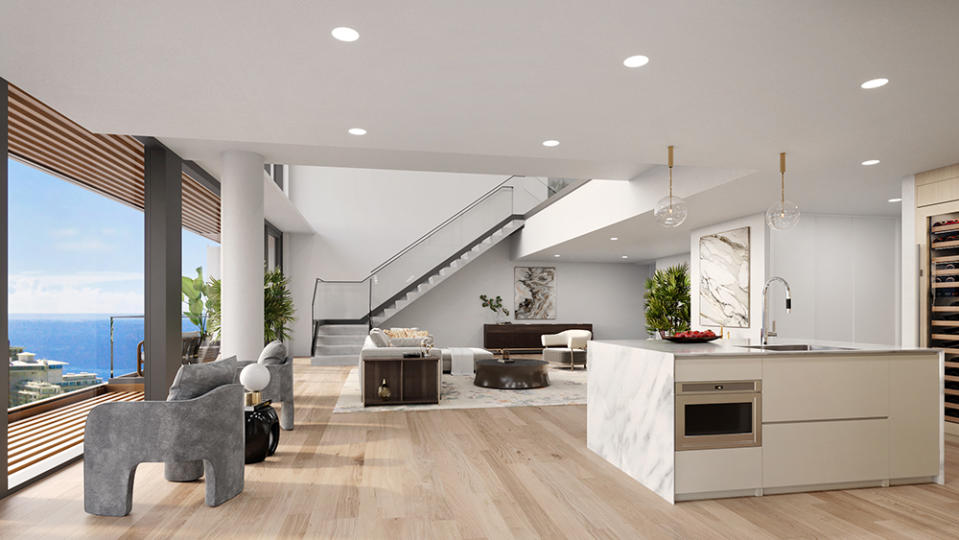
x=280, y=389
x=198, y=431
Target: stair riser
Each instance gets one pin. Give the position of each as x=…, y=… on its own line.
x=335, y=350
x=343, y=329
x=341, y=339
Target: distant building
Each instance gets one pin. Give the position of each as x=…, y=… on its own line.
x=32, y=380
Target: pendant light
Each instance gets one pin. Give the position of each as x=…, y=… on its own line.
x=670, y=211
x=783, y=214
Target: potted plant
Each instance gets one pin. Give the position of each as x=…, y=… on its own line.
x=196, y=296
x=278, y=310
x=496, y=306
x=667, y=300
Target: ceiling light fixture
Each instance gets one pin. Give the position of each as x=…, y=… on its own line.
x=345, y=33
x=557, y=255
x=670, y=211
x=782, y=214
x=550, y=143
x=869, y=162
x=357, y=131
x=624, y=256
x=636, y=61
x=874, y=83
x=895, y=200
x=614, y=238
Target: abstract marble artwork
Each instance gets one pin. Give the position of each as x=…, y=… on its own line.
x=724, y=279
x=535, y=292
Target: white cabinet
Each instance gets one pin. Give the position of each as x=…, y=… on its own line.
x=727, y=469
x=915, y=417
x=817, y=453
x=813, y=387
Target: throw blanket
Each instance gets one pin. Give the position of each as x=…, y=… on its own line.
x=461, y=361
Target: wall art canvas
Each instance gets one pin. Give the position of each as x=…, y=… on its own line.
x=535, y=292
x=724, y=279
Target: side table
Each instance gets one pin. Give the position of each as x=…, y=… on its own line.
x=262, y=431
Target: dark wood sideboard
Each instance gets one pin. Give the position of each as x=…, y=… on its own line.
x=518, y=337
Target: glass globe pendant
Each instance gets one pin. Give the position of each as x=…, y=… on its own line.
x=783, y=214
x=670, y=211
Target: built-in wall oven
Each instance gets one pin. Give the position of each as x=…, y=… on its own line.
x=718, y=414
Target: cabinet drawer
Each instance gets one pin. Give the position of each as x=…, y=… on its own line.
x=811, y=453
x=819, y=388
x=726, y=469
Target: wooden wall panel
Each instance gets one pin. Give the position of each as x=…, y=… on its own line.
x=111, y=165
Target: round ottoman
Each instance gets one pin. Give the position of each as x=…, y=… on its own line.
x=515, y=375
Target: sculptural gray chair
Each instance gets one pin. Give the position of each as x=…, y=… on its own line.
x=198, y=431
x=280, y=390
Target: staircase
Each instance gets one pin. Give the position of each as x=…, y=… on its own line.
x=344, y=311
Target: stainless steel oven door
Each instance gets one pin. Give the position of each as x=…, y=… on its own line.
x=726, y=414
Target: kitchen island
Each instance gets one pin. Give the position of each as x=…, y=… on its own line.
x=726, y=419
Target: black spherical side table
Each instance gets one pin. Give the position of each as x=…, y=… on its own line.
x=518, y=374
x=262, y=431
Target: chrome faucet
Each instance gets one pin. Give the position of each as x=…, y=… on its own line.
x=764, y=334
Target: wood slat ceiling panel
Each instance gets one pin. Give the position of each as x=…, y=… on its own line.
x=111, y=165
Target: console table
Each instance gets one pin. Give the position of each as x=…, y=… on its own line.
x=404, y=381
x=520, y=337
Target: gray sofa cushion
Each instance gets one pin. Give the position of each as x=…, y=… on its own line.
x=379, y=338
x=194, y=380
x=273, y=353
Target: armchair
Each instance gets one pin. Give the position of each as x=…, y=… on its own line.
x=567, y=347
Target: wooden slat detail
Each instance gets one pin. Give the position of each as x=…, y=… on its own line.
x=952, y=378
x=946, y=309
x=111, y=165
x=950, y=258
x=40, y=437
x=945, y=272
x=952, y=392
x=945, y=285
x=945, y=228
x=949, y=244
x=945, y=323
x=946, y=337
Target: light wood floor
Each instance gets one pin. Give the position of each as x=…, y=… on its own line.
x=489, y=473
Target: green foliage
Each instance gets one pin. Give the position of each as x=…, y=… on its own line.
x=195, y=295
x=667, y=300
x=213, y=308
x=278, y=307
x=14, y=351
x=494, y=304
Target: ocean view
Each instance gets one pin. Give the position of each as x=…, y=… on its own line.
x=81, y=340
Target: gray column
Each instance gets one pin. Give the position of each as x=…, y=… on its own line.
x=241, y=244
x=4, y=338
x=163, y=221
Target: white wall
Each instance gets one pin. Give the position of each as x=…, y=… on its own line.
x=673, y=260
x=608, y=295
x=758, y=250
x=909, y=294
x=845, y=278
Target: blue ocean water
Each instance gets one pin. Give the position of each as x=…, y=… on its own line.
x=81, y=340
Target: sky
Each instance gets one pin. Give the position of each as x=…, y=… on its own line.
x=75, y=251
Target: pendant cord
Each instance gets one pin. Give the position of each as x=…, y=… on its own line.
x=670, y=161
x=782, y=181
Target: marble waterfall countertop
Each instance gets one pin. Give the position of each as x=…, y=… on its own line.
x=744, y=347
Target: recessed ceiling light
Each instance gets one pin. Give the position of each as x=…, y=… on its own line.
x=550, y=143
x=874, y=83
x=345, y=33
x=357, y=131
x=869, y=162
x=557, y=255
x=895, y=200
x=636, y=61
x=624, y=257
x=614, y=238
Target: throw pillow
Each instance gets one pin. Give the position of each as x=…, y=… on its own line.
x=194, y=380
x=273, y=353
x=409, y=341
x=379, y=338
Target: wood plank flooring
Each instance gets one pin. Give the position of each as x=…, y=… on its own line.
x=470, y=474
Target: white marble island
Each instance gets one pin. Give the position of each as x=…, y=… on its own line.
x=846, y=415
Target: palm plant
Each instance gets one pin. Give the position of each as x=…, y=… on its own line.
x=195, y=294
x=667, y=300
x=213, y=308
x=278, y=310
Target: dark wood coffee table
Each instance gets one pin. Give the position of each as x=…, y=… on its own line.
x=516, y=375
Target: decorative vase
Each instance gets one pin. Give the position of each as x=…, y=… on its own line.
x=502, y=318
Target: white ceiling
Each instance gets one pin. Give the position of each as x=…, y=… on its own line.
x=475, y=87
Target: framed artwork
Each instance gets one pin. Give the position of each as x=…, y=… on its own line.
x=724, y=279
x=534, y=292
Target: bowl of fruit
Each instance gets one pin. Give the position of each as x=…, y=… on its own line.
x=692, y=336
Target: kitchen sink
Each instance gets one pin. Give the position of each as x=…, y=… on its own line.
x=798, y=347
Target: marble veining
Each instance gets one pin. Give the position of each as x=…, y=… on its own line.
x=724, y=279
x=630, y=413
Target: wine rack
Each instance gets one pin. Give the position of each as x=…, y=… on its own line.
x=943, y=329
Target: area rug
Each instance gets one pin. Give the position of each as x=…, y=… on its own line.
x=458, y=392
